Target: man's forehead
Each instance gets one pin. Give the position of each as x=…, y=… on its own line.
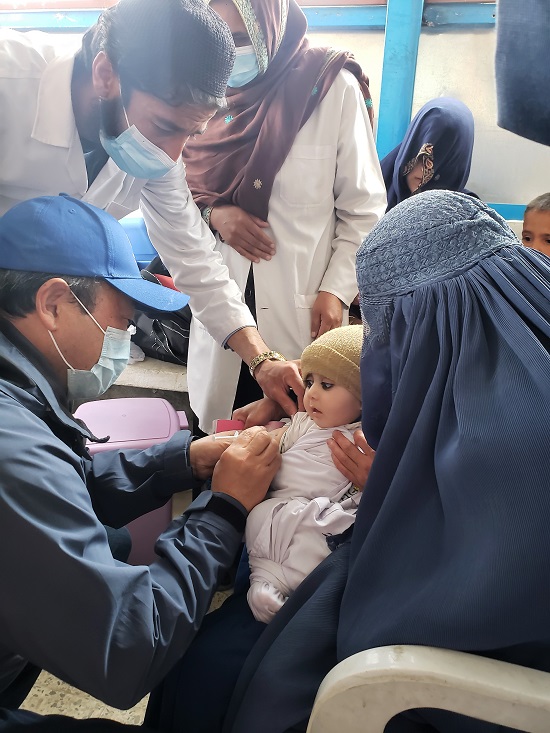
x=183, y=118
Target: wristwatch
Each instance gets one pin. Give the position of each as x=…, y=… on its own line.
x=206, y=215
x=265, y=356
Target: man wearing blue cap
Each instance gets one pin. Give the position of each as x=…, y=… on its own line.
x=108, y=126
x=68, y=285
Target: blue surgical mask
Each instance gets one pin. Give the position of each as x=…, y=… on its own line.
x=115, y=353
x=135, y=154
x=245, y=68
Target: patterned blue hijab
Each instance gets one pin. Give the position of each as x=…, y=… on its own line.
x=451, y=546
x=441, y=135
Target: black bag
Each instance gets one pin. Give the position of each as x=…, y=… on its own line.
x=167, y=337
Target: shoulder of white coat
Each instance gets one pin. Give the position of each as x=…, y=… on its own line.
x=346, y=80
x=24, y=55
x=344, y=92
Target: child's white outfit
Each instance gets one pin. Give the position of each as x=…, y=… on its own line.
x=309, y=499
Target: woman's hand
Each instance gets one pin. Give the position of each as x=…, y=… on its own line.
x=355, y=459
x=242, y=231
x=326, y=314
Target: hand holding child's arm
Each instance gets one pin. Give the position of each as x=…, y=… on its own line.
x=205, y=453
x=246, y=468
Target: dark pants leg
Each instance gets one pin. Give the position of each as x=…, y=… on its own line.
x=12, y=697
x=195, y=695
x=22, y=720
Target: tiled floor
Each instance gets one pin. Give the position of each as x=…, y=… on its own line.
x=52, y=696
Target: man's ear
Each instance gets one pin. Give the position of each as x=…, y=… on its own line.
x=104, y=79
x=52, y=300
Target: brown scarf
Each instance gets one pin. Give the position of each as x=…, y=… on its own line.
x=238, y=157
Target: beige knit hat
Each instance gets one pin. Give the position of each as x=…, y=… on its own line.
x=336, y=356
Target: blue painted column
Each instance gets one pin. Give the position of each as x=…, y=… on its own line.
x=403, y=24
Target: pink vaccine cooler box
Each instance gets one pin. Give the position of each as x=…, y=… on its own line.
x=135, y=422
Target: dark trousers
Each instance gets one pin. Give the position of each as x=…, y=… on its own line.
x=195, y=695
x=19, y=720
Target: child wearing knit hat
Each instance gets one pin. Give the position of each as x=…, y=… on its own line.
x=309, y=499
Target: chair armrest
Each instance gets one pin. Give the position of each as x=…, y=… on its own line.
x=362, y=693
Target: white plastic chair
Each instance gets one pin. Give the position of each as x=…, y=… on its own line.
x=362, y=693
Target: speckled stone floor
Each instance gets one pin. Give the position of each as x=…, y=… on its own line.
x=52, y=696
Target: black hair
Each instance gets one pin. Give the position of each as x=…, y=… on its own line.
x=540, y=203
x=179, y=51
x=18, y=290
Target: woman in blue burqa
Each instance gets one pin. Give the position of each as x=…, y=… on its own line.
x=451, y=546
x=436, y=152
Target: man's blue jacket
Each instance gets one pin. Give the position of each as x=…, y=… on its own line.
x=110, y=629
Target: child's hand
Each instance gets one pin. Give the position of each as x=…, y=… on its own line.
x=354, y=460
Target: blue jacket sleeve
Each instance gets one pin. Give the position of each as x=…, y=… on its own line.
x=125, y=484
x=110, y=629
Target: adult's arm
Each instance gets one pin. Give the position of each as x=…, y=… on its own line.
x=110, y=629
x=186, y=246
x=126, y=484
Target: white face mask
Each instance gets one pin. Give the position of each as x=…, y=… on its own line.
x=115, y=352
x=135, y=154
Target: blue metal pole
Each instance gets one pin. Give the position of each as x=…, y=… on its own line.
x=403, y=24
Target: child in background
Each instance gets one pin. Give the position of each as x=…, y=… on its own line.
x=309, y=500
x=536, y=224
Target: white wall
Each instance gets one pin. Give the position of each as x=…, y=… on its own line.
x=460, y=63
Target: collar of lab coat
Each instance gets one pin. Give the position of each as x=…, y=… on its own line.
x=54, y=123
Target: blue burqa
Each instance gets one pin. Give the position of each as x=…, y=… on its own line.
x=445, y=124
x=521, y=67
x=451, y=546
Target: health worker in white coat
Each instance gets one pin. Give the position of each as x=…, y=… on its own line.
x=108, y=124
x=288, y=179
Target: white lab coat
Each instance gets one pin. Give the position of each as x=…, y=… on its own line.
x=327, y=196
x=41, y=154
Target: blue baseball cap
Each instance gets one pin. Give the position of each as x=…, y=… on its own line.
x=65, y=236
